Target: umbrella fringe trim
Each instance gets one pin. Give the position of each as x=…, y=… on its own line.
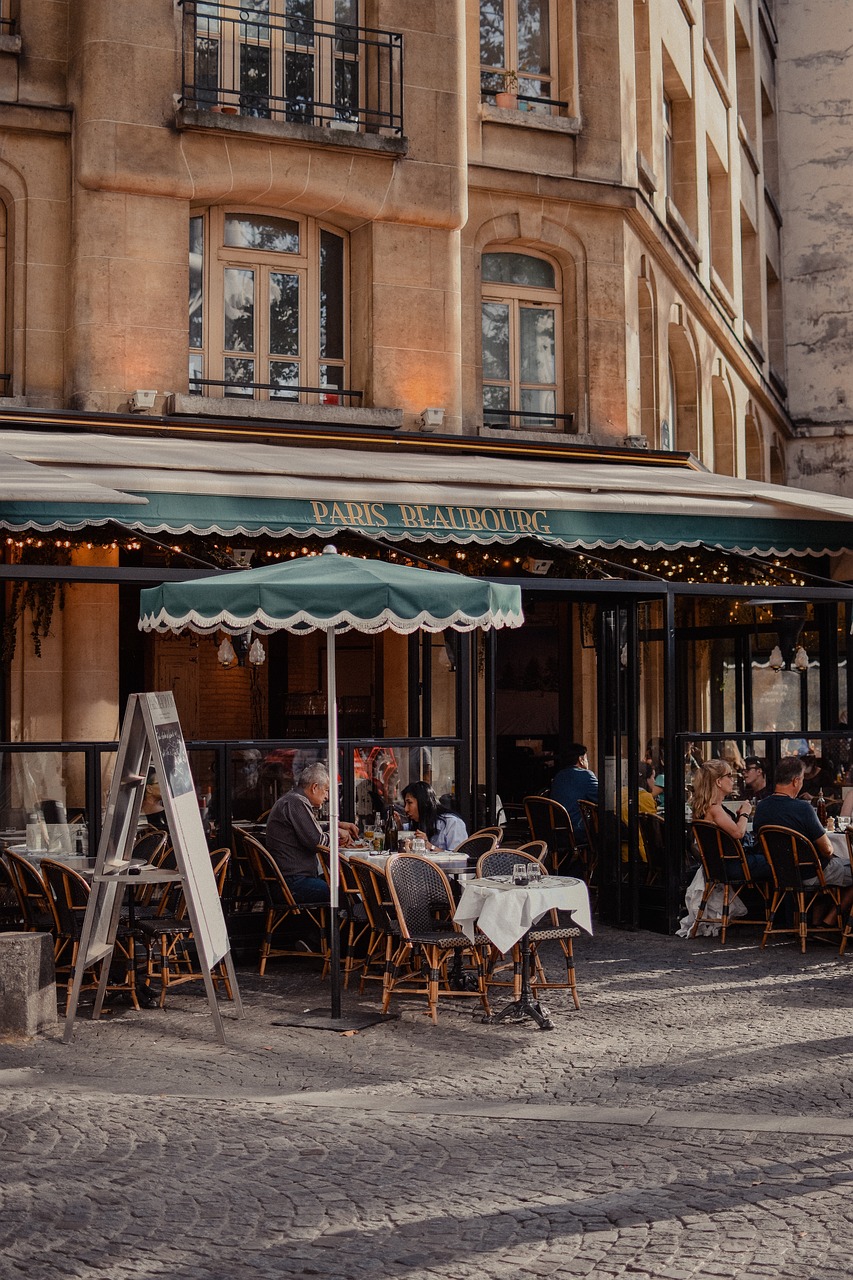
x=301, y=623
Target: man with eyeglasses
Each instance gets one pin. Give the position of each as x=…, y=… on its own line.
x=294, y=836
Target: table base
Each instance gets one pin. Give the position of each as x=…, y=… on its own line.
x=525, y=1006
x=518, y=1010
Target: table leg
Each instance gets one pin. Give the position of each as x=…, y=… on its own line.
x=525, y=1006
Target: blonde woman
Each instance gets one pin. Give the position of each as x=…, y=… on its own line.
x=713, y=783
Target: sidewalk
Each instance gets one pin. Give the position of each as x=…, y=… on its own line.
x=693, y=1119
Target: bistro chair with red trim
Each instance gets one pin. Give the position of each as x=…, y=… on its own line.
x=11, y=907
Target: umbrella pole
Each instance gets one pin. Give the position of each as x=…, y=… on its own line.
x=334, y=854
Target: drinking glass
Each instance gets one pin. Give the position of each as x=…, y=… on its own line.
x=534, y=873
x=519, y=873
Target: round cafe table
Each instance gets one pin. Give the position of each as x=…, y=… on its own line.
x=506, y=913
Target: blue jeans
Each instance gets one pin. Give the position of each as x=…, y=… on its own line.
x=308, y=888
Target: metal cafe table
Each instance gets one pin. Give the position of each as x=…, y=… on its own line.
x=506, y=913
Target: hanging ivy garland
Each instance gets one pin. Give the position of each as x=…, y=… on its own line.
x=40, y=596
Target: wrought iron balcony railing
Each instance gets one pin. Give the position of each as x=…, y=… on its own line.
x=247, y=60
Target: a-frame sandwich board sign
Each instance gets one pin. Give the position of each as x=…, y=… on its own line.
x=151, y=736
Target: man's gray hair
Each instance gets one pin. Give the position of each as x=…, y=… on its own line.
x=315, y=774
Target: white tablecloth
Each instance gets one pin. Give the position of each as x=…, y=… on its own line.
x=452, y=864
x=504, y=912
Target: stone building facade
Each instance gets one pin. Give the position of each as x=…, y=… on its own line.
x=560, y=220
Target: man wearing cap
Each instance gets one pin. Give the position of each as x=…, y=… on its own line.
x=755, y=779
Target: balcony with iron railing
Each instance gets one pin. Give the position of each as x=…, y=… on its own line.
x=248, y=62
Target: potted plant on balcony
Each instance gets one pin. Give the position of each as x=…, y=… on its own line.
x=507, y=97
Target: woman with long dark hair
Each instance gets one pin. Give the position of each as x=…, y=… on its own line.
x=440, y=828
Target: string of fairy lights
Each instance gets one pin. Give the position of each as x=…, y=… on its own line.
x=696, y=565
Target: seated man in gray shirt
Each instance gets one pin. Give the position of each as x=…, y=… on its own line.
x=295, y=837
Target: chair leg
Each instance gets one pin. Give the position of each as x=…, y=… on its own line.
x=432, y=983
x=700, y=913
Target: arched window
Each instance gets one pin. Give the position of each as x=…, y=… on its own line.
x=647, y=334
x=724, y=428
x=522, y=341
x=684, y=391
x=754, y=448
x=267, y=307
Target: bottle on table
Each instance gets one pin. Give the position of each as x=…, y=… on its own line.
x=390, y=833
x=820, y=807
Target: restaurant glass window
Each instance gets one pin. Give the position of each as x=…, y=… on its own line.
x=44, y=796
x=267, y=308
x=522, y=321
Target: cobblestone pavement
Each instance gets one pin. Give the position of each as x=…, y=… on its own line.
x=692, y=1120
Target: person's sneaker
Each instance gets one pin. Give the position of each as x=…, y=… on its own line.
x=147, y=997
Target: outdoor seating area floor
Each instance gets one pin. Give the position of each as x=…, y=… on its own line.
x=693, y=1119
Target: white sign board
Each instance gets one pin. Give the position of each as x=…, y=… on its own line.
x=151, y=736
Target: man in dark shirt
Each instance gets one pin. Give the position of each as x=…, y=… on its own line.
x=785, y=809
x=755, y=778
x=294, y=836
x=574, y=783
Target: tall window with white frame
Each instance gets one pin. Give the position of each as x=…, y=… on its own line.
x=518, y=42
x=267, y=308
x=522, y=341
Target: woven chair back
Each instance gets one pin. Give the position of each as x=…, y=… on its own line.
x=500, y=862
x=33, y=893
x=475, y=846
x=70, y=894
x=497, y=833
x=268, y=876
x=721, y=855
x=368, y=881
x=219, y=859
x=550, y=822
x=421, y=894
x=150, y=846
x=849, y=834
x=792, y=857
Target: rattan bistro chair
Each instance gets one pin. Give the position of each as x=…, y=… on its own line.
x=384, y=936
x=724, y=866
x=11, y=907
x=282, y=909
x=36, y=902
x=500, y=863
x=171, y=930
x=70, y=896
x=797, y=874
x=550, y=822
x=424, y=903
x=476, y=845
x=354, y=921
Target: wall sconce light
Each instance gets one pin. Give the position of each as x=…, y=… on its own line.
x=242, y=556
x=801, y=660
x=257, y=653
x=225, y=654
x=776, y=662
x=432, y=419
x=142, y=401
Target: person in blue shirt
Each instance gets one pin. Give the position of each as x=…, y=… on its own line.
x=574, y=783
x=438, y=826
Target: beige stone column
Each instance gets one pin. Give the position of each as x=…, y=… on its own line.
x=90, y=707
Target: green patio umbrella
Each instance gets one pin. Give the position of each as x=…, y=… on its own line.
x=330, y=593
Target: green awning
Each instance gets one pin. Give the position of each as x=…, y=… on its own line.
x=230, y=516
